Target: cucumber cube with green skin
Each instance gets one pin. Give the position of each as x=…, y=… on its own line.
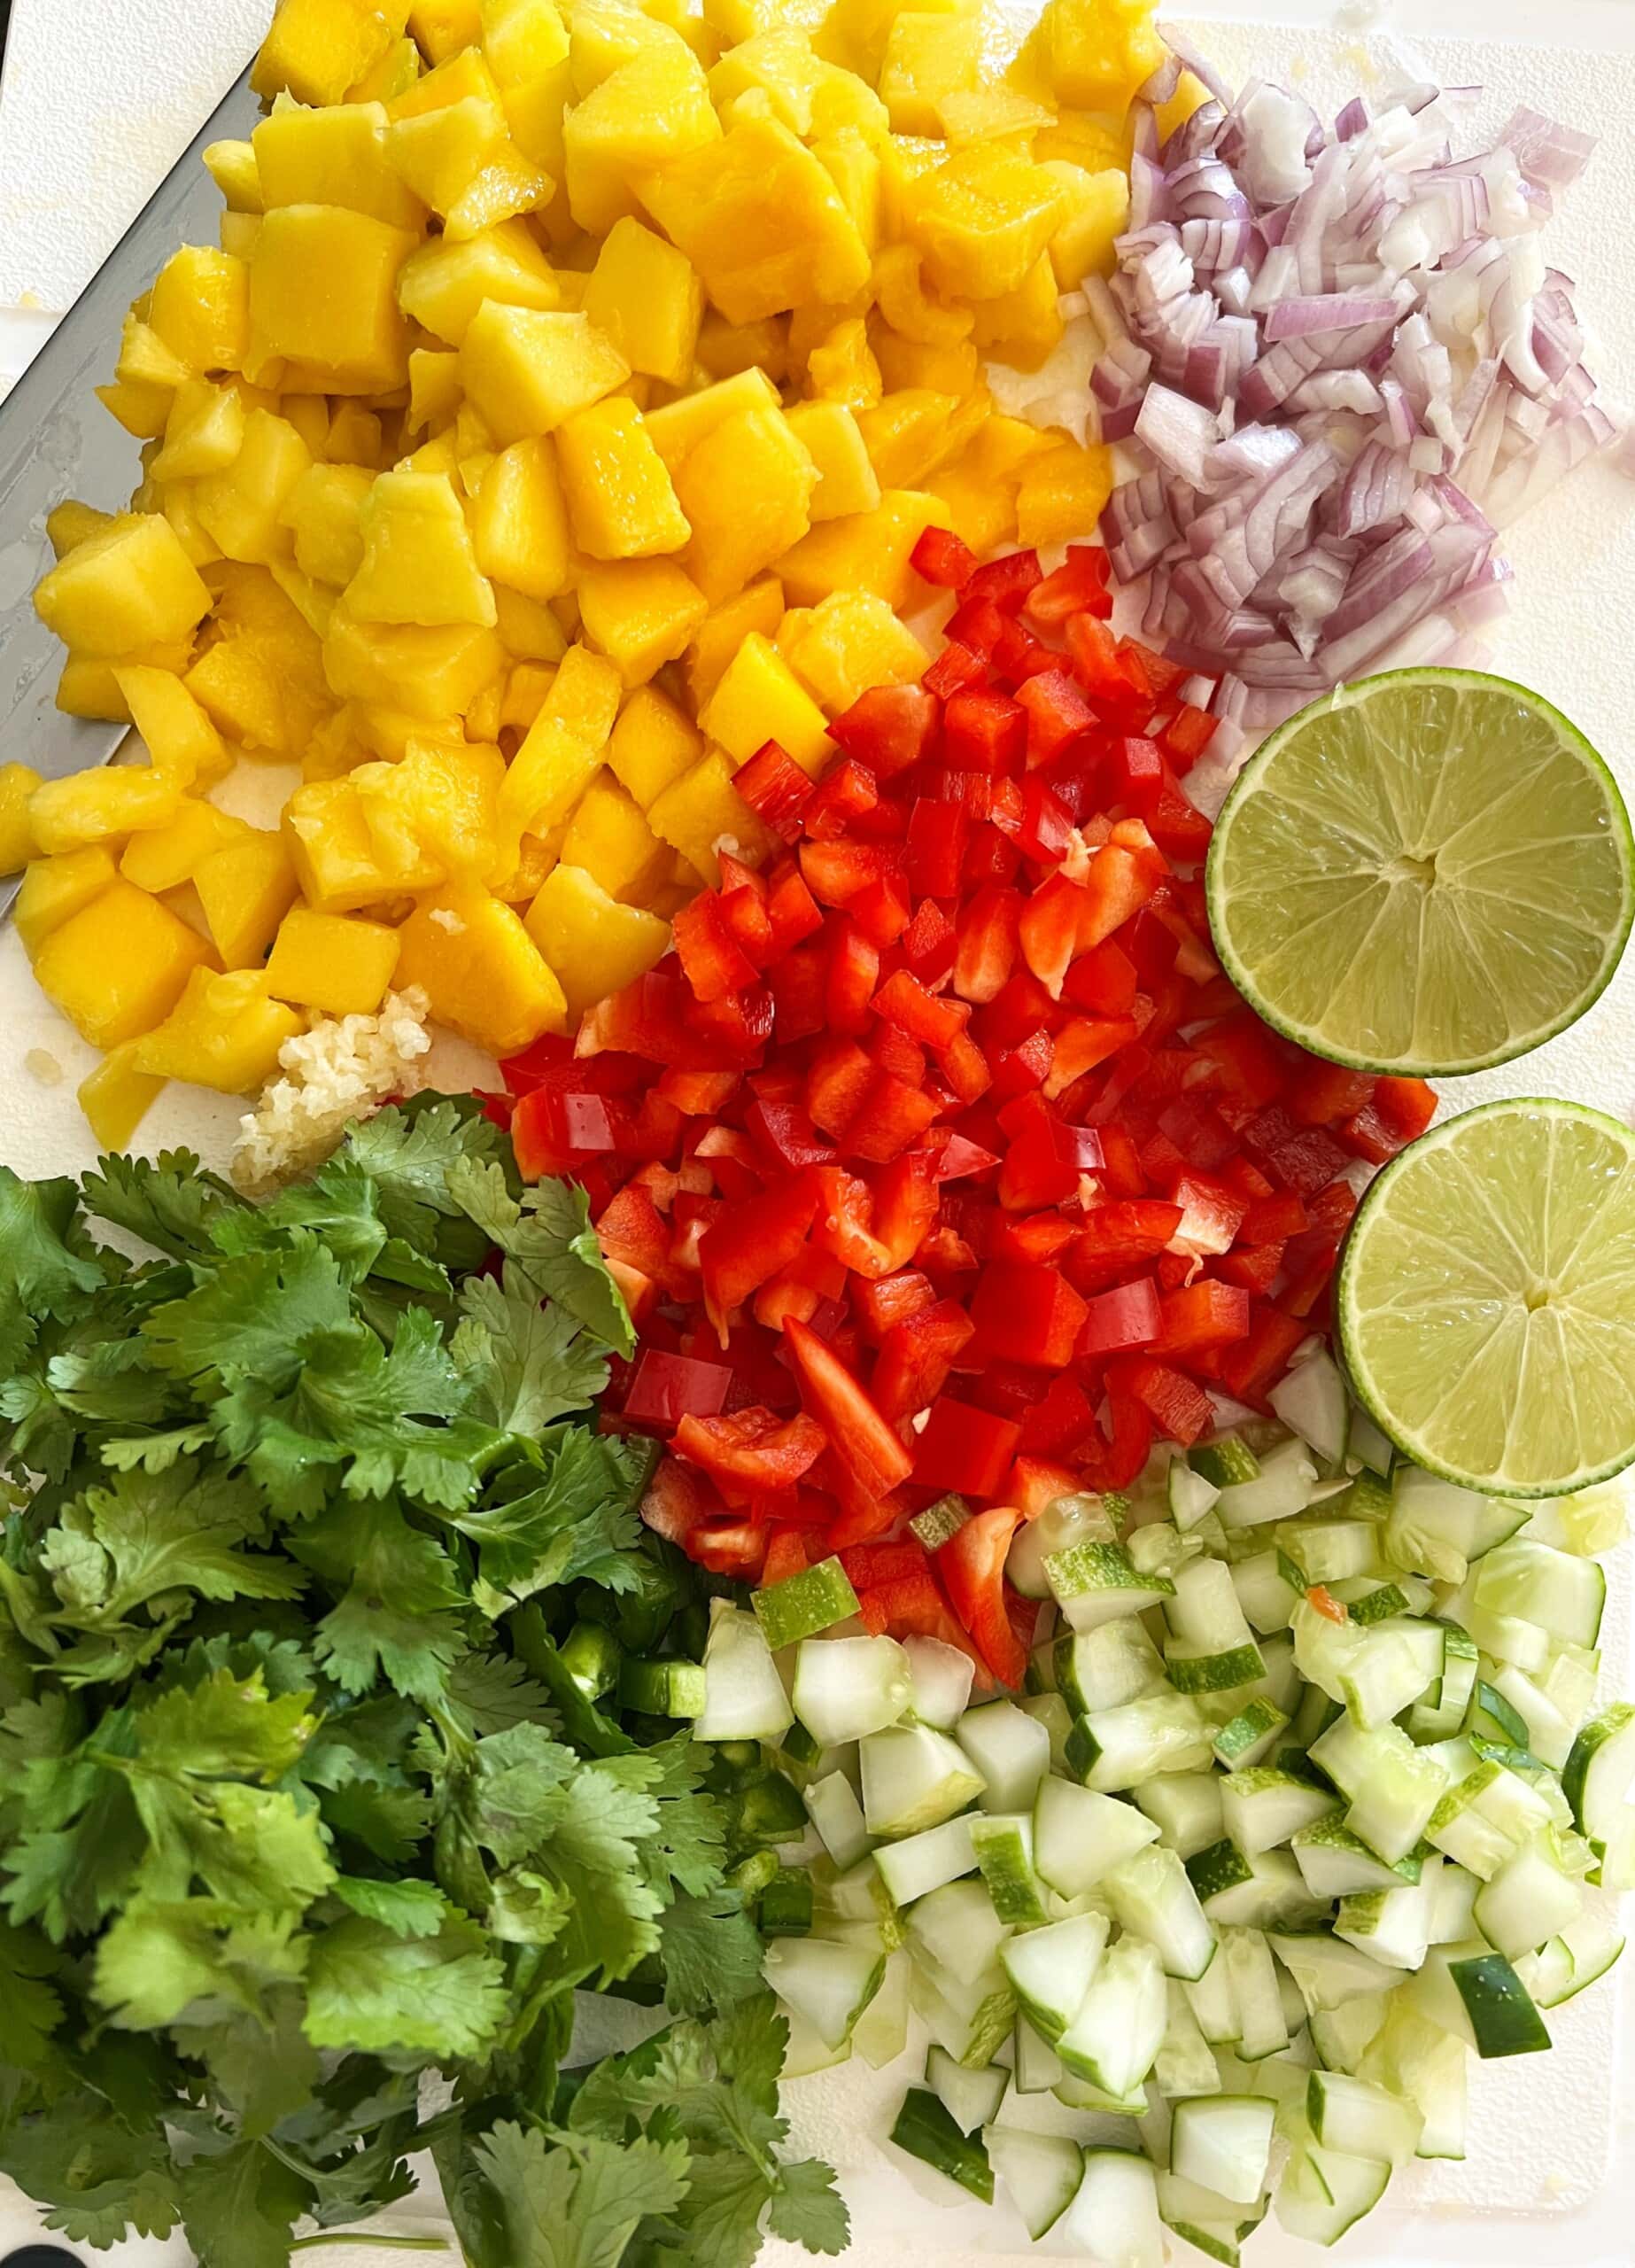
x=1041, y=2173
x=941, y=1677
x=832, y=1807
x=1051, y=1969
x=744, y=1695
x=1192, y=1672
x=1283, y=1486
x=1475, y=1992
x=1330, y=1551
x=1376, y=1605
x=971, y=2025
x=1599, y=1773
x=1116, y=2034
x=1080, y=1837
x=1369, y=1498
x=972, y=2099
x=926, y=2131
x=915, y=1778
x=1094, y=1583
x=1153, y=1898
x=1223, y=2142
x=955, y=1934
x=1009, y=1749
x=1248, y=1738
x=669, y=1689
x=1552, y=1589
x=1329, y=1971
x=1225, y=1462
x=1185, y=1806
x=1222, y=1867
x=1531, y=1899
x=1263, y=1807
x=1361, y=2119
x=1336, y=1863
x=1256, y=1997
x=1185, y=2063
x=939, y=1522
x=1322, y=2194
x=845, y=1688
x=1003, y=1843
x=1113, y=1749
x=1105, y=1669
x=1581, y=1955
x=915, y=1866
x=829, y=1985
x=881, y=2032
x=800, y=1606
x=1487, y=1816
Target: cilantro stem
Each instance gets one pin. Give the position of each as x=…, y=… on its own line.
x=382, y=2243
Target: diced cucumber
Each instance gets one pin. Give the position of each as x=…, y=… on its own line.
x=786, y=1908
x=1504, y=1636
x=847, y=1687
x=1080, y=1837
x=806, y=2054
x=1003, y=1843
x=1442, y=1710
x=836, y=1813
x=1051, y=1710
x=1336, y=1863
x=1330, y=1551
x=1035, y=2065
x=1322, y=2194
x=1223, y=2142
x=1051, y=1969
x=1225, y=1464
x=1111, y=1749
x=1454, y=1908
x=1393, y=1787
x=1261, y=2024
x=972, y=2022
x=941, y=1522
x=1187, y=1809
x=1529, y=1899
x=1393, y=1927
x=1366, y=1601
x=940, y=1677
x=881, y=2032
x=1105, y=1669
x=972, y=2099
x=1312, y=1401
x=956, y=1933
x=1070, y=1520
x=1263, y=1807
x=1376, y=1671
x=926, y=2131
x=1152, y=1899
x=1579, y=1956
x=1185, y=2063
x=829, y=1985
x=918, y=1864
x=1267, y=1891
x=1281, y=1486
x=1189, y=1671
x=1009, y=1749
x=1367, y=1448
x=1207, y=2223
x=915, y=1778
x=1264, y=1590
x=664, y=1688
x=1426, y=2068
x=744, y=1696
x=1248, y=1738
x=1599, y=1773
x=1341, y=2035
x=1213, y=2006
x=1475, y=1993
x=1562, y=1594
x=1546, y=1729
x=1190, y=1495
x=1114, y=2216
x=1094, y=1583
x=1119, y=2027
x=1204, y=1610
x=816, y=1599
x=1328, y=1971
x=1436, y=1528
x=1041, y=2173
x=1483, y=1818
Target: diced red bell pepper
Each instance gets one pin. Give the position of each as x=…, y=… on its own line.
x=1121, y=1173
x=1081, y=585
x=1274, y=1220
x=736, y=1549
x=1081, y=1045
x=937, y=835
x=1027, y=1313
x=983, y=730
x=911, y=1606
x=1102, y=981
x=1127, y=1316
x=870, y=1565
x=1211, y=1213
x=1250, y=1369
x=750, y=1241
x=881, y=910
x=847, y=793
x=1398, y=1112
x=971, y=1565
x=794, y=912
x=732, y=1162
x=943, y=558
x=854, y=965
x=916, y=1356
x=1120, y=1236
x=836, y=1083
x=786, y=1556
x=1178, y=1407
x=955, y=668
x=733, y=1030
x=1119, y=882
x=1005, y=581
x=813, y=1279
x=1045, y=1157
x=631, y=1228
x=975, y=626
x=753, y=1447
x=1032, y=1237
x=1059, y=718
x=845, y=1224
x=1033, y=1483
x=988, y=928
x=776, y=788
x=1134, y=774
x=902, y=1000
x=714, y=963
x=905, y=1205
x=929, y=943
x=1018, y=655
x=1111, y=673
x=697, y=1094
x=892, y=1300
x=799, y=982
x=1047, y=825
x=890, y=728
x=964, y=1449
x=960, y=1156
x=1251, y=1064
x=891, y=1116
x=837, y=872
x=1049, y=930
x=665, y=1388
x=1060, y=1423
x=1198, y=1132
x=1321, y=1094
x=891, y=1049
x=785, y=1136
x=1179, y=828
x=1203, y=1315
x=866, y=1452
x=679, y=1501
x=1256, y=1267
x=1115, y=1463
x=1187, y=736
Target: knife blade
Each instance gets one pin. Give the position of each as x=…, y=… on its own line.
x=57, y=440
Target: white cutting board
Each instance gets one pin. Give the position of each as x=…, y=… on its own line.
x=97, y=100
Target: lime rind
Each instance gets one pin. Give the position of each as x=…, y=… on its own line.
x=1447, y=1340
x=1310, y=901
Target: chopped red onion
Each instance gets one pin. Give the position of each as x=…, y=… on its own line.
x=1337, y=311
x=1553, y=156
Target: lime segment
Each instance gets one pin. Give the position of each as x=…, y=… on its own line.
x=1426, y=873
x=1486, y=1304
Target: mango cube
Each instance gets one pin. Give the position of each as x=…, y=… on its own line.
x=118, y=967
x=509, y=184
x=703, y=813
x=438, y=809
x=529, y=630
x=70, y=523
x=481, y=971
x=246, y=889
x=745, y=491
x=342, y=967
x=955, y=368
x=224, y=1032
x=116, y=1096
x=1097, y=52
x=829, y=433
x=619, y=495
x=548, y=774
x=527, y=369
x=244, y=507
x=651, y=744
x=521, y=39
x=324, y=512
x=128, y=588
x=982, y=219
x=335, y=156
x=1095, y=210
x=432, y=672
x=318, y=49
x=443, y=28
x=592, y=943
x=200, y=307
x=1022, y=327
x=419, y=565
x=848, y=642
x=761, y=221
x=645, y=295
x=18, y=782
x=868, y=551
x=928, y=57
x=338, y=859
x=646, y=115
x=164, y=857
x=437, y=154
x=323, y=299
x=54, y=890
x=1064, y=490
x=678, y=428
x=521, y=523
x=725, y=348
x=584, y=695
x=843, y=367
x=907, y=435
x=98, y=806
x=610, y=839
x=760, y=699
x=203, y=432
x=641, y=613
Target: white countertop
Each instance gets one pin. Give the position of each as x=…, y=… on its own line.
x=97, y=101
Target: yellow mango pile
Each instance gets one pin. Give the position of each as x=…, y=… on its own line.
x=551, y=428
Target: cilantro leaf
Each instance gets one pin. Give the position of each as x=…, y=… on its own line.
x=118, y=1549
x=252, y=1317
x=98, y=2177
x=577, y=2205
x=409, y=1154
x=494, y=1691
x=712, y=1953
x=163, y=1958
x=398, y=1615
x=49, y=1266
x=807, y=2207
x=576, y=1523
x=527, y=1362
x=548, y=1234
x=367, y=1988
x=409, y=1910
x=340, y=1205
x=239, y=2207
x=33, y=2008
x=169, y=1202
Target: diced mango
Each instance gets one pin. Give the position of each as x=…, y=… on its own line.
x=868, y=551
x=745, y=491
x=354, y=435
x=584, y=695
x=521, y=522
x=843, y=368
x=244, y=507
x=645, y=295
x=1063, y=491
x=535, y=858
x=760, y=699
x=652, y=745
x=1022, y=327
x=641, y=613
x=1097, y=52
x=224, y=1032
x=594, y=943
x=337, y=860
x=439, y=154
x=143, y=410
x=18, y=782
x=437, y=809
x=610, y=839
x=340, y=967
x=324, y=512
x=527, y=629
x=725, y=348
x=761, y=221
x=1095, y=210
x=481, y=971
x=200, y=309
x=130, y=586
x=642, y=120
x=54, y=890
x=118, y=965
x=829, y=433
x=98, y=806
x=906, y=363
x=908, y=434
x=527, y=369
x=419, y=565
x=116, y=1097
x=318, y=49
x=436, y=672
x=521, y=39
x=848, y=642
x=703, y=813
x=146, y=361
x=203, y=432
x=232, y=167
x=991, y=114
x=548, y=774
x=435, y=392
x=678, y=428
x=443, y=28
x=605, y=35
x=70, y=523
x=323, y=304
x=246, y=889
x=509, y=184
x=982, y=219
x=619, y=496
x=164, y=857
x=928, y=57
x=444, y=284
x=336, y=156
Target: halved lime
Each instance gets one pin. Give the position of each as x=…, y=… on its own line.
x=1486, y=1303
x=1425, y=872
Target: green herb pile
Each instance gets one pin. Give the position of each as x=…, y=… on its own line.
x=304, y=1800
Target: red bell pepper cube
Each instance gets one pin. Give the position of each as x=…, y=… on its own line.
x=1121, y=1174
x=906, y=1204
x=799, y=984
x=1034, y=1483
x=984, y=730
x=882, y=910
x=1274, y=1220
x=812, y=1281
x=976, y=626
x=750, y=1241
x=1047, y=825
x=1132, y=773
x=1202, y=1315
x=1046, y=1157
x=1177, y=1406
x=752, y=1449
x=1199, y=1131
x=916, y=1356
x=1166, y=677
x=1129, y=1316
x=785, y=1136
x=989, y=937
x=1058, y=1425
x=786, y=1556
x=1252, y=1065
x=1081, y=1045
x=1119, y=882
x=845, y=1224
x=776, y=789
x=714, y=963
x=943, y=558
x=1239, y=1172
x=956, y=668
x=1212, y=1214
x=891, y=1116
x=868, y=1564
x=1111, y=674
x=1031, y=1237
x=1019, y=1009
x=1178, y=828
x=836, y=1083
x=933, y=1021
x=911, y=1606
x=631, y=1228
x=964, y=1449
x=929, y=943
x=1186, y=736
x=965, y=1070
x=1249, y=1369
x=1308, y=1162
x=665, y=1388
x=1027, y=1313
x=794, y=912
x=1017, y=655
x=1102, y=981
x=937, y=835
x=1397, y=1112
x=890, y=1049
x=836, y=872
x=890, y=728
x=990, y=856
x=847, y=793
x=971, y=1565
x=697, y=1094
x=533, y=1067
x=734, y=1547
x=1048, y=928
x=1256, y=1267
x=679, y=1501
x=865, y=1451
x=1005, y=581
x=734, y=1165
x=1023, y=1069
x=1059, y=718
x=1115, y=1463
x=892, y=1300
x=1081, y=585
x=960, y=1156
x=854, y=965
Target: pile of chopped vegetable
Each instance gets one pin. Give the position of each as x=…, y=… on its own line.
x=1345, y=364
x=941, y=1157
x=317, y=1775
